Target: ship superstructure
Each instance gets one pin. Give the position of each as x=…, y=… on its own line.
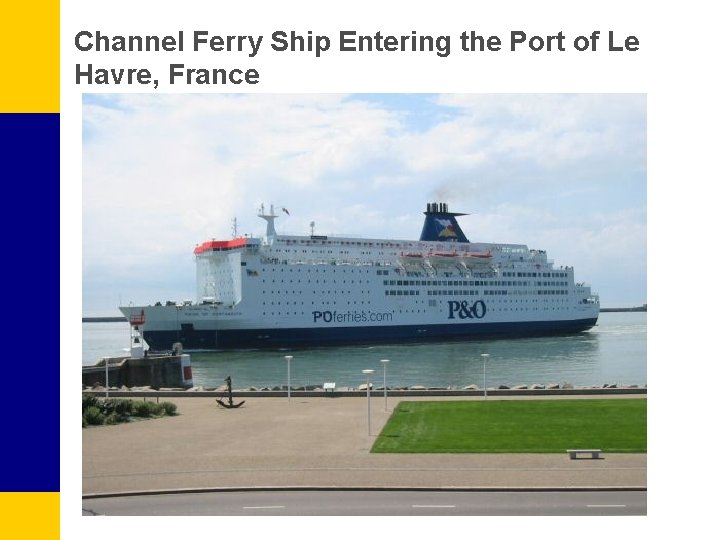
x=291, y=291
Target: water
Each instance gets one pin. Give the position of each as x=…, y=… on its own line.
x=615, y=351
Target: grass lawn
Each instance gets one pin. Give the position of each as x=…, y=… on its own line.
x=532, y=426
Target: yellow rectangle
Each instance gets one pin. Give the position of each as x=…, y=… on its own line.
x=30, y=57
x=30, y=514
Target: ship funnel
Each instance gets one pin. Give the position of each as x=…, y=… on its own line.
x=441, y=225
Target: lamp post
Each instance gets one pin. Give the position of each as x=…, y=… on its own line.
x=289, y=359
x=107, y=379
x=369, y=373
x=385, y=362
x=484, y=356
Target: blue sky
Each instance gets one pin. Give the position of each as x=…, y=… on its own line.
x=162, y=173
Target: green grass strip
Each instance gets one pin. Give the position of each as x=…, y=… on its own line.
x=515, y=426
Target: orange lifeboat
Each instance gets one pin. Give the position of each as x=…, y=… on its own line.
x=443, y=257
x=412, y=257
x=478, y=258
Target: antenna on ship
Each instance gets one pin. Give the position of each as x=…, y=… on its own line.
x=234, y=227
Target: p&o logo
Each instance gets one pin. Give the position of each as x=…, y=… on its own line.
x=464, y=310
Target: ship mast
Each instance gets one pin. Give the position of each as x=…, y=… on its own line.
x=270, y=218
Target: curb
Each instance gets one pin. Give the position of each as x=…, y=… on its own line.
x=181, y=491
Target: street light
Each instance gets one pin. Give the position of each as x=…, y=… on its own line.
x=484, y=356
x=107, y=379
x=385, y=363
x=289, y=359
x=369, y=373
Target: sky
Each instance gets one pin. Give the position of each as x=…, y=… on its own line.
x=566, y=173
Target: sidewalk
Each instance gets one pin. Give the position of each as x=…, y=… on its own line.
x=317, y=442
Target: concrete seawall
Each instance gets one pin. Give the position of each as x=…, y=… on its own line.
x=175, y=393
x=149, y=371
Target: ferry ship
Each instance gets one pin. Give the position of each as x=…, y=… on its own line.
x=282, y=291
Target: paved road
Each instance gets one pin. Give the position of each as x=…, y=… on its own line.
x=374, y=503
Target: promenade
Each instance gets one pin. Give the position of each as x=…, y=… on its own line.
x=314, y=442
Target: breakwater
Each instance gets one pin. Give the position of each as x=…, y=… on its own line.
x=103, y=319
x=638, y=309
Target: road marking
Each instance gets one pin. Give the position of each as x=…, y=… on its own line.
x=434, y=506
x=261, y=507
x=606, y=505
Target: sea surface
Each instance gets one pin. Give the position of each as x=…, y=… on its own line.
x=613, y=352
